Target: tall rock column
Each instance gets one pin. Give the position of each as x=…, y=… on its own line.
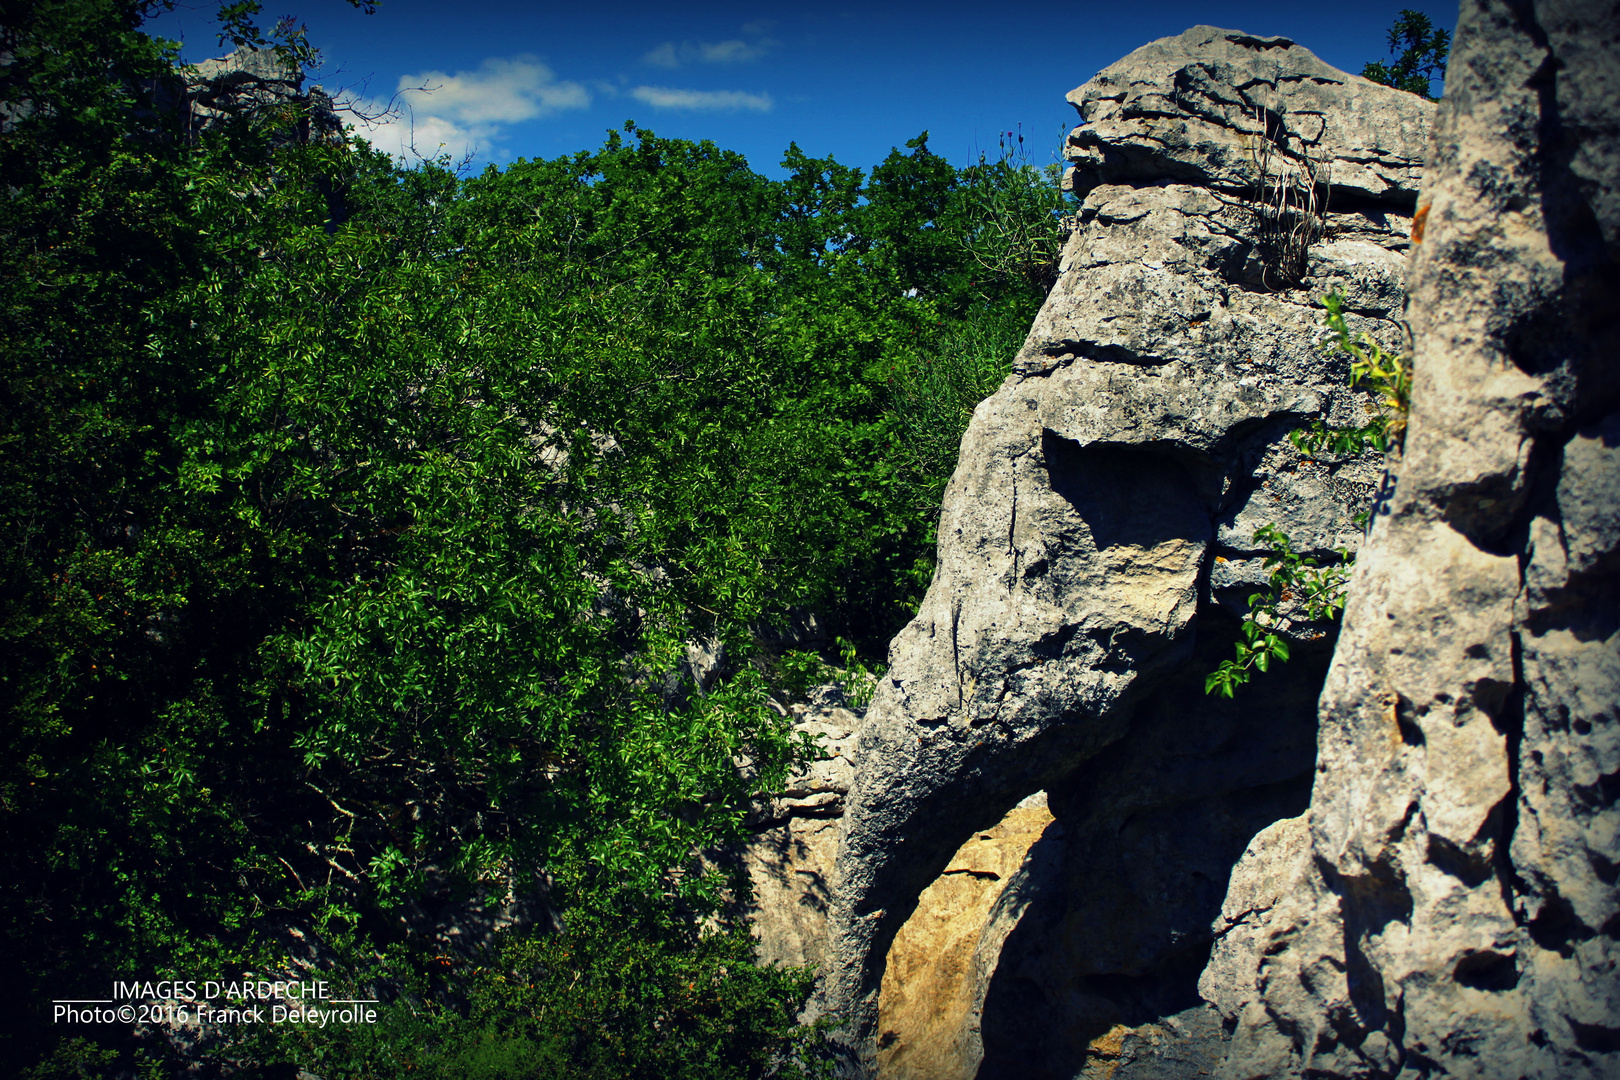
x=1102, y=513
x=1452, y=906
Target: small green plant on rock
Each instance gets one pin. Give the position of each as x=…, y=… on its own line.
x=1388, y=375
x=1015, y=211
x=860, y=681
x=1292, y=576
x=1291, y=179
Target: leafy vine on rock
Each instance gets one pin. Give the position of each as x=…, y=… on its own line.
x=1289, y=575
x=1387, y=374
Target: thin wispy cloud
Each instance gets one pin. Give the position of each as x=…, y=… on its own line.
x=664, y=56
x=665, y=97
x=435, y=112
x=733, y=51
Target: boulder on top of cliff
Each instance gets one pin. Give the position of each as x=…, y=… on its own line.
x=1229, y=161
x=255, y=81
x=1196, y=108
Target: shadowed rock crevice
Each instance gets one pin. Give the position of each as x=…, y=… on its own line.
x=1103, y=484
x=1152, y=828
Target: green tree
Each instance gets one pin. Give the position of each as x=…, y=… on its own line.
x=352, y=558
x=1420, y=51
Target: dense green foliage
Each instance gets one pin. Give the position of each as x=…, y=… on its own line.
x=1419, y=50
x=612, y=996
x=355, y=520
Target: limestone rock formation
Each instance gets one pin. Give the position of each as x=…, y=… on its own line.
x=795, y=843
x=1101, y=973
x=935, y=988
x=1448, y=905
x=1187, y=108
x=255, y=81
x=931, y=1005
x=1098, y=535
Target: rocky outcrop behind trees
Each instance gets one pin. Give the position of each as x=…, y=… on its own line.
x=259, y=83
x=1097, y=544
x=1448, y=905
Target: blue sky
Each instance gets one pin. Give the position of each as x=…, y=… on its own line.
x=851, y=80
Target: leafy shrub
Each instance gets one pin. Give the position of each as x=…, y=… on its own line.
x=936, y=388
x=624, y=991
x=1423, y=53
x=798, y=671
x=859, y=680
x=1014, y=215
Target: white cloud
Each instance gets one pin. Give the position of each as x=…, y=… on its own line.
x=411, y=135
x=664, y=56
x=458, y=113
x=664, y=97
x=501, y=91
x=732, y=51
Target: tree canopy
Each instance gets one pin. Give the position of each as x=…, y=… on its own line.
x=356, y=520
x=1419, y=50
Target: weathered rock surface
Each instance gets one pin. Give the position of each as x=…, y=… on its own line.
x=1448, y=905
x=1189, y=109
x=939, y=968
x=1101, y=514
x=794, y=848
x=795, y=844
x=251, y=82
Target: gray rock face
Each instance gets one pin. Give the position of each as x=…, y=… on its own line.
x=1448, y=906
x=253, y=81
x=1102, y=513
x=1190, y=109
x=795, y=843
